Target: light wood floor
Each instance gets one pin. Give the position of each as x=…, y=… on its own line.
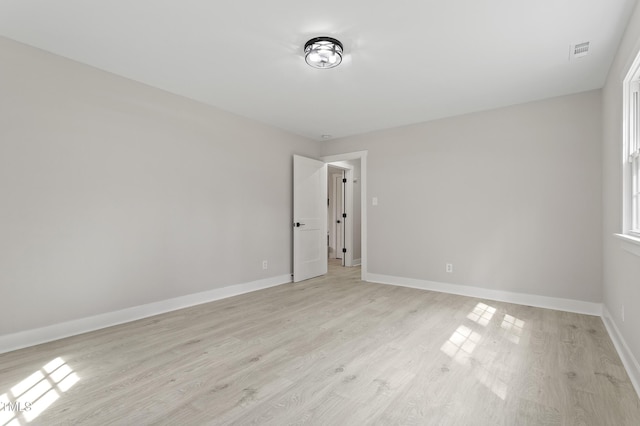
x=330, y=351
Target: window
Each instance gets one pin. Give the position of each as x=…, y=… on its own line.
x=631, y=157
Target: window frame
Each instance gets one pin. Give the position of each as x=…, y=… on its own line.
x=631, y=152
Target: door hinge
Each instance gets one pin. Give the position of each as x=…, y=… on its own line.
x=344, y=250
x=344, y=180
x=344, y=215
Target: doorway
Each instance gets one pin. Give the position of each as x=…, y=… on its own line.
x=347, y=236
x=311, y=239
x=336, y=214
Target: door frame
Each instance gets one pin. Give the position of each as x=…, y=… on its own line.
x=347, y=207
x=335, y=186
x=362, y=156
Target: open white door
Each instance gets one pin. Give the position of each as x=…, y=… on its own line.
x=309, y=218
x=338, y=209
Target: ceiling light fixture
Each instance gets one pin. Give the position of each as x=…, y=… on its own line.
x=323, y=52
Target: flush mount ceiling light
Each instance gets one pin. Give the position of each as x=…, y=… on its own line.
x=323, y=52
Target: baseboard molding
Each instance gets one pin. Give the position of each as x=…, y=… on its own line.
x=630, y=363
x=23, y=339
x=568, y=305
x=628, y=360
x=357, y=262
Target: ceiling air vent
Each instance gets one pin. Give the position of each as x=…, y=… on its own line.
x=579, y=50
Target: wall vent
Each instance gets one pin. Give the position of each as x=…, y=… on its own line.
x=579, y=50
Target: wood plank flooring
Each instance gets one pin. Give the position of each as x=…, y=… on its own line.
x=328, y=351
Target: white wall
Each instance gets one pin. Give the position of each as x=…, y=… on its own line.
x=114, y=194
x=511, y=197
x=621, y=268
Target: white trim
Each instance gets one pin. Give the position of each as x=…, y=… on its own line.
x=340, y=165
x=362, y=156
x=356, y=155
x=630, y=134
x=348, y=208
x=357, y=262
x=568, y=305
x=11, y=342
x=348, y=188
x=628, y=360
x=23, y=339
x=629, y=243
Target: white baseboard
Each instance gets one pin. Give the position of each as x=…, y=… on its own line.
x=11, y=342
x=23, y=339
x=568, y=305
x=628, y=360
x=357, y=262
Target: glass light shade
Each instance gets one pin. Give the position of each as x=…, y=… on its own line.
x=323, y=52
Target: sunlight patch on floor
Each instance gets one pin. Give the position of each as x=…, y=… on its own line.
x=514, y=327
x=465, y=340
x=482, y=314
x=32, y=396
x=461, y=344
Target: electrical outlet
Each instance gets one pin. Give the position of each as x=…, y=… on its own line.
x=265, y=264
x=449, y=268
x=622, y=313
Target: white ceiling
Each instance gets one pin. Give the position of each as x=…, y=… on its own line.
x=406, y=61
